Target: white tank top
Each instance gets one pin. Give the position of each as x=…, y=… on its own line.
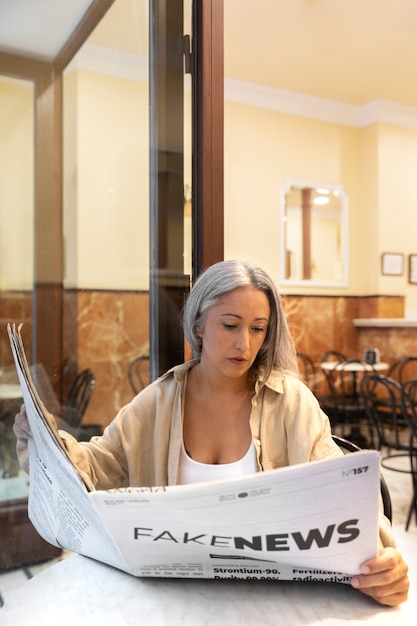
x=191, y=471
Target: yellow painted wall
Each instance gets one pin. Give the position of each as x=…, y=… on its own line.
x=106, y=188
x=364, y=247
x=397, y=206
x=16, y=184
x=376, y=165
x=263, y=149
x=107, y=182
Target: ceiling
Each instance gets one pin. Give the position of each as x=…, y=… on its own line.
x=38, y=28
x=352, y=51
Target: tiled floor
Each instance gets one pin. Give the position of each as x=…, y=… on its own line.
x=400, y=488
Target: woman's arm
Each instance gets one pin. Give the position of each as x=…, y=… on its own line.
x=22, y=432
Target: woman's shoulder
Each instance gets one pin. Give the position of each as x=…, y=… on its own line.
x=282, y=381
x=179, y=372
x=290, y=390
x=171, y=379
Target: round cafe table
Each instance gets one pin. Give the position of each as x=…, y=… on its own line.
x=356, y=367
x=79, y=591
x=10, y=391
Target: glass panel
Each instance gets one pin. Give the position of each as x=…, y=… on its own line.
x=16, y=268
x=106, y=232
x=106, y=207
x=169, y=284
x=107, y=145
x=188, y=247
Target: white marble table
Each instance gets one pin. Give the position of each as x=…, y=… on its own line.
x=10, y=391
x=355, y=366
x=79, y=591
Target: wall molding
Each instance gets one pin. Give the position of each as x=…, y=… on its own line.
x=323, y=109
x=134, y=67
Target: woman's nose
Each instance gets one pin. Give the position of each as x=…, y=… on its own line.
x=242, y=340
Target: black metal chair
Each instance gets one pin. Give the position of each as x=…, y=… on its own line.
x=79, y=396
x=409, y=401
x=331, y=356
x=403, y=369
x=307, y=370
x=138, y=373
x=348, y=446
x=381, y=397
x=75, y=407
x=344, y=405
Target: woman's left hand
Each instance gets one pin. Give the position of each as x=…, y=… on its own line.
x=384, y=578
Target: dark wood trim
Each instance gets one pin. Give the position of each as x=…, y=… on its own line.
x=168, y=285
x=48, y=247
x=92, y=17
x=48, y=287
x=16, y=66
x=208, y=131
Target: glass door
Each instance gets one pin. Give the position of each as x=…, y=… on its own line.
x=95, y=255
x=124, y=209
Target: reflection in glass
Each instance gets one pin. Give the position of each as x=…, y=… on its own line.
x=16, y=259
x=16, y=184
x=106, y=206
x=314, y=242
x=107, y=203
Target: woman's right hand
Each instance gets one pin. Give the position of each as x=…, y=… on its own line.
x=21, y=426
x=21, y=429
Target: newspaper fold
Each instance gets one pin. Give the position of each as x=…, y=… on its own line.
x=314, y=521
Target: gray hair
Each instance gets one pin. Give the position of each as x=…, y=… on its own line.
x=278, y=348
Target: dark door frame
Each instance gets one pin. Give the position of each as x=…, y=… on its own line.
x=208, y=133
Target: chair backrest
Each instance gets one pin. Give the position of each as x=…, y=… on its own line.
x=349, y=374
x=138, y=373
x=409, y=403
x=79, y=397
x=348, y=446
x=332, y=356
x=381, y=397
x=307, y=370
x=403, y=369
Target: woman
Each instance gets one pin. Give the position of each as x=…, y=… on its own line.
x=237, y=407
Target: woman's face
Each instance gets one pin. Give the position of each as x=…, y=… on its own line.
x=234, y=331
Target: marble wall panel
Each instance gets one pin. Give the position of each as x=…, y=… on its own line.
x=15, y=307
x=321, y=323
x=113, y=328
x=393, y=343
x=381, y=306
x=106, y=330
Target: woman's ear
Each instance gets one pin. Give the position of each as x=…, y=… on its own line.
x=198, y=331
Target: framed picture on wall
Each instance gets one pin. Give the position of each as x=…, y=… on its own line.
x=392, y=264
x=412, y=268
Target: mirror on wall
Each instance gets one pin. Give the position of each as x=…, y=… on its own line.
x=314, y=249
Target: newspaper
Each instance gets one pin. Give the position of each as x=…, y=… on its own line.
x=313, y=521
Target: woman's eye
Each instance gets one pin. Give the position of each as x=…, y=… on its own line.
x=258, y=329
x=230, y=326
